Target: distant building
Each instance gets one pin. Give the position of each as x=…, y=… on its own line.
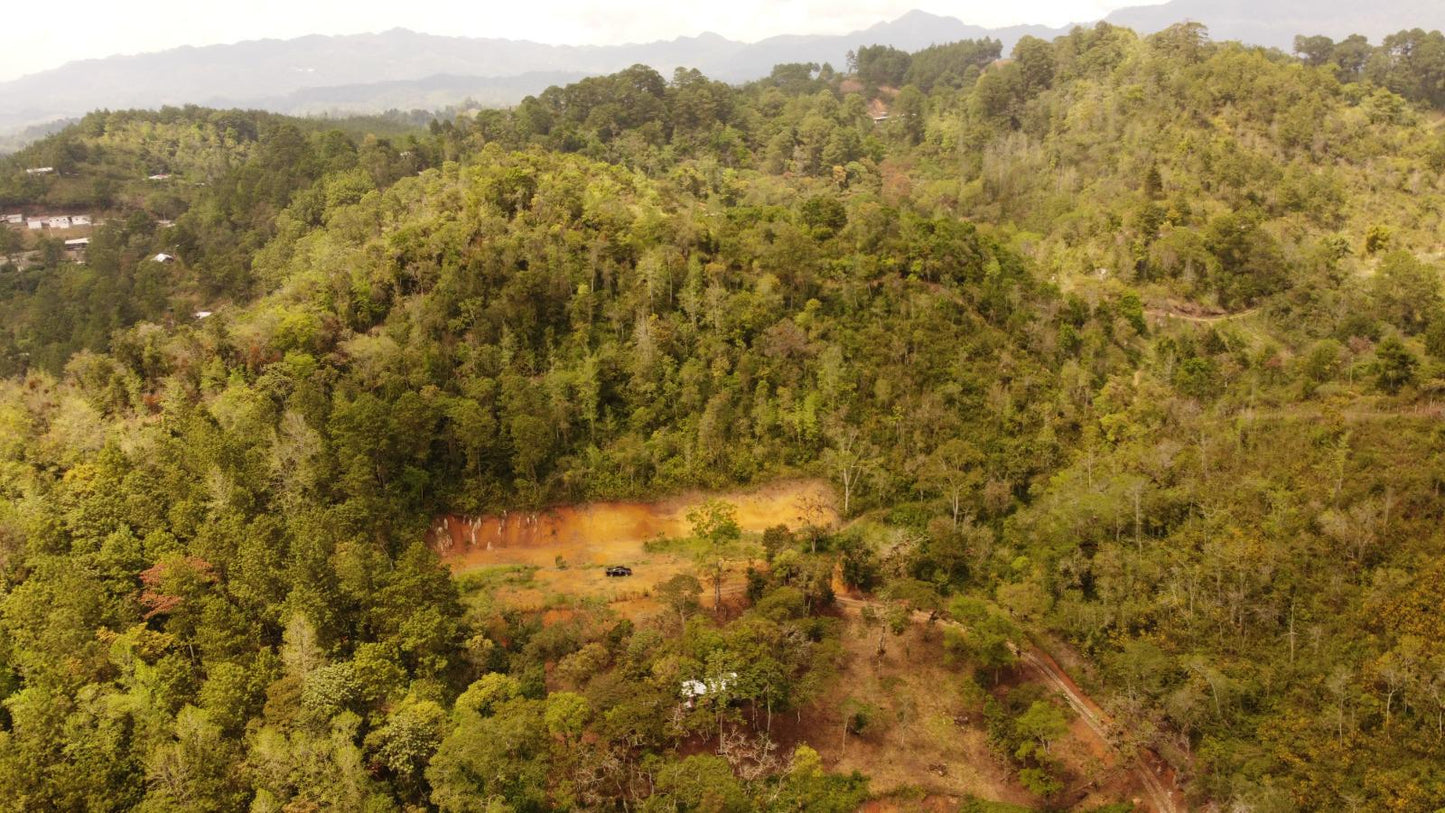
x=159, y=176
x=76, y=248
x=164, y=258
x=877, y=111
x=80, y=220
x=35, y=224
x=15, y=220
x=39, y=170
x=203, y=314
x=58, y=222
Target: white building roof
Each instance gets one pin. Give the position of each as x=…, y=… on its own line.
x=697, y=688
x=163, y=258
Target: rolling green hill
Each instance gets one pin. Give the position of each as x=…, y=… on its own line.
x=1127, y=342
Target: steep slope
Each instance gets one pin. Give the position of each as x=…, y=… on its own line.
x=526, y=328
x=1246, y=537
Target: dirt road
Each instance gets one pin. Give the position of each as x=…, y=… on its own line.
x=1161, y=799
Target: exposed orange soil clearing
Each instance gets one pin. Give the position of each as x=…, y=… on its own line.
x=589, y=536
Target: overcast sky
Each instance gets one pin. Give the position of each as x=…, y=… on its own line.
x=47, y=36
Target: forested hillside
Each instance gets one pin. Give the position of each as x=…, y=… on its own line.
x=202, y=185
x=1130, y=343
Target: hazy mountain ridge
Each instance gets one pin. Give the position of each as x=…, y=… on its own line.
x=428, y=93
x=406, y=69
x=1276, y=22
x=285, y=75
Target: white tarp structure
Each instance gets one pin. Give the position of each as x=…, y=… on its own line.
x=693, y=689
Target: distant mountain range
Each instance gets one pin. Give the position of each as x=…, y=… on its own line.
x=407, y=70
x=404, y=69
x=1276, y=22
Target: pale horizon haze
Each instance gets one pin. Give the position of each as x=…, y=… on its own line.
x=90, y=29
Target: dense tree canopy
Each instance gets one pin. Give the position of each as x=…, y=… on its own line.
x=1127, y=339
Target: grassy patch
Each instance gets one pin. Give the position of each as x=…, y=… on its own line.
x=492, y=578
x=677, y=546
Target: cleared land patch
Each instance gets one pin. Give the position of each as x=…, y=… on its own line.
x=570, y=546
x=926, y=748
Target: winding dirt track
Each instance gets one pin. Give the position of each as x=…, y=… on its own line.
x=1160, y=798
x=1099, y=723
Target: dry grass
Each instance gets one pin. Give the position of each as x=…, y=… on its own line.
x=569, y=546
x=928, y=718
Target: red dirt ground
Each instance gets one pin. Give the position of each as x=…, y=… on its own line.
x=589, y=537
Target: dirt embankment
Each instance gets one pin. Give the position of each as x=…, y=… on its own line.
x=611, y=532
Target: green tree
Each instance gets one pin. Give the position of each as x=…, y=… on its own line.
x=715, y=525
x=910, y=109
x=1406, y=291
x=566, y=715
x=679, y=594
x=1035, y=60
x=698, y=783
x=496, y=757
x=405, y=743
x=1396, y=365
x=880, y=65
x=195, y=769
x=1316, y=51
x=1039, y=726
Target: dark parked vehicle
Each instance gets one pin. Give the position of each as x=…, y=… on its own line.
x=619, y=570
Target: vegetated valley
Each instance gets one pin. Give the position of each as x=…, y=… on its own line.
x=1051, y=432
